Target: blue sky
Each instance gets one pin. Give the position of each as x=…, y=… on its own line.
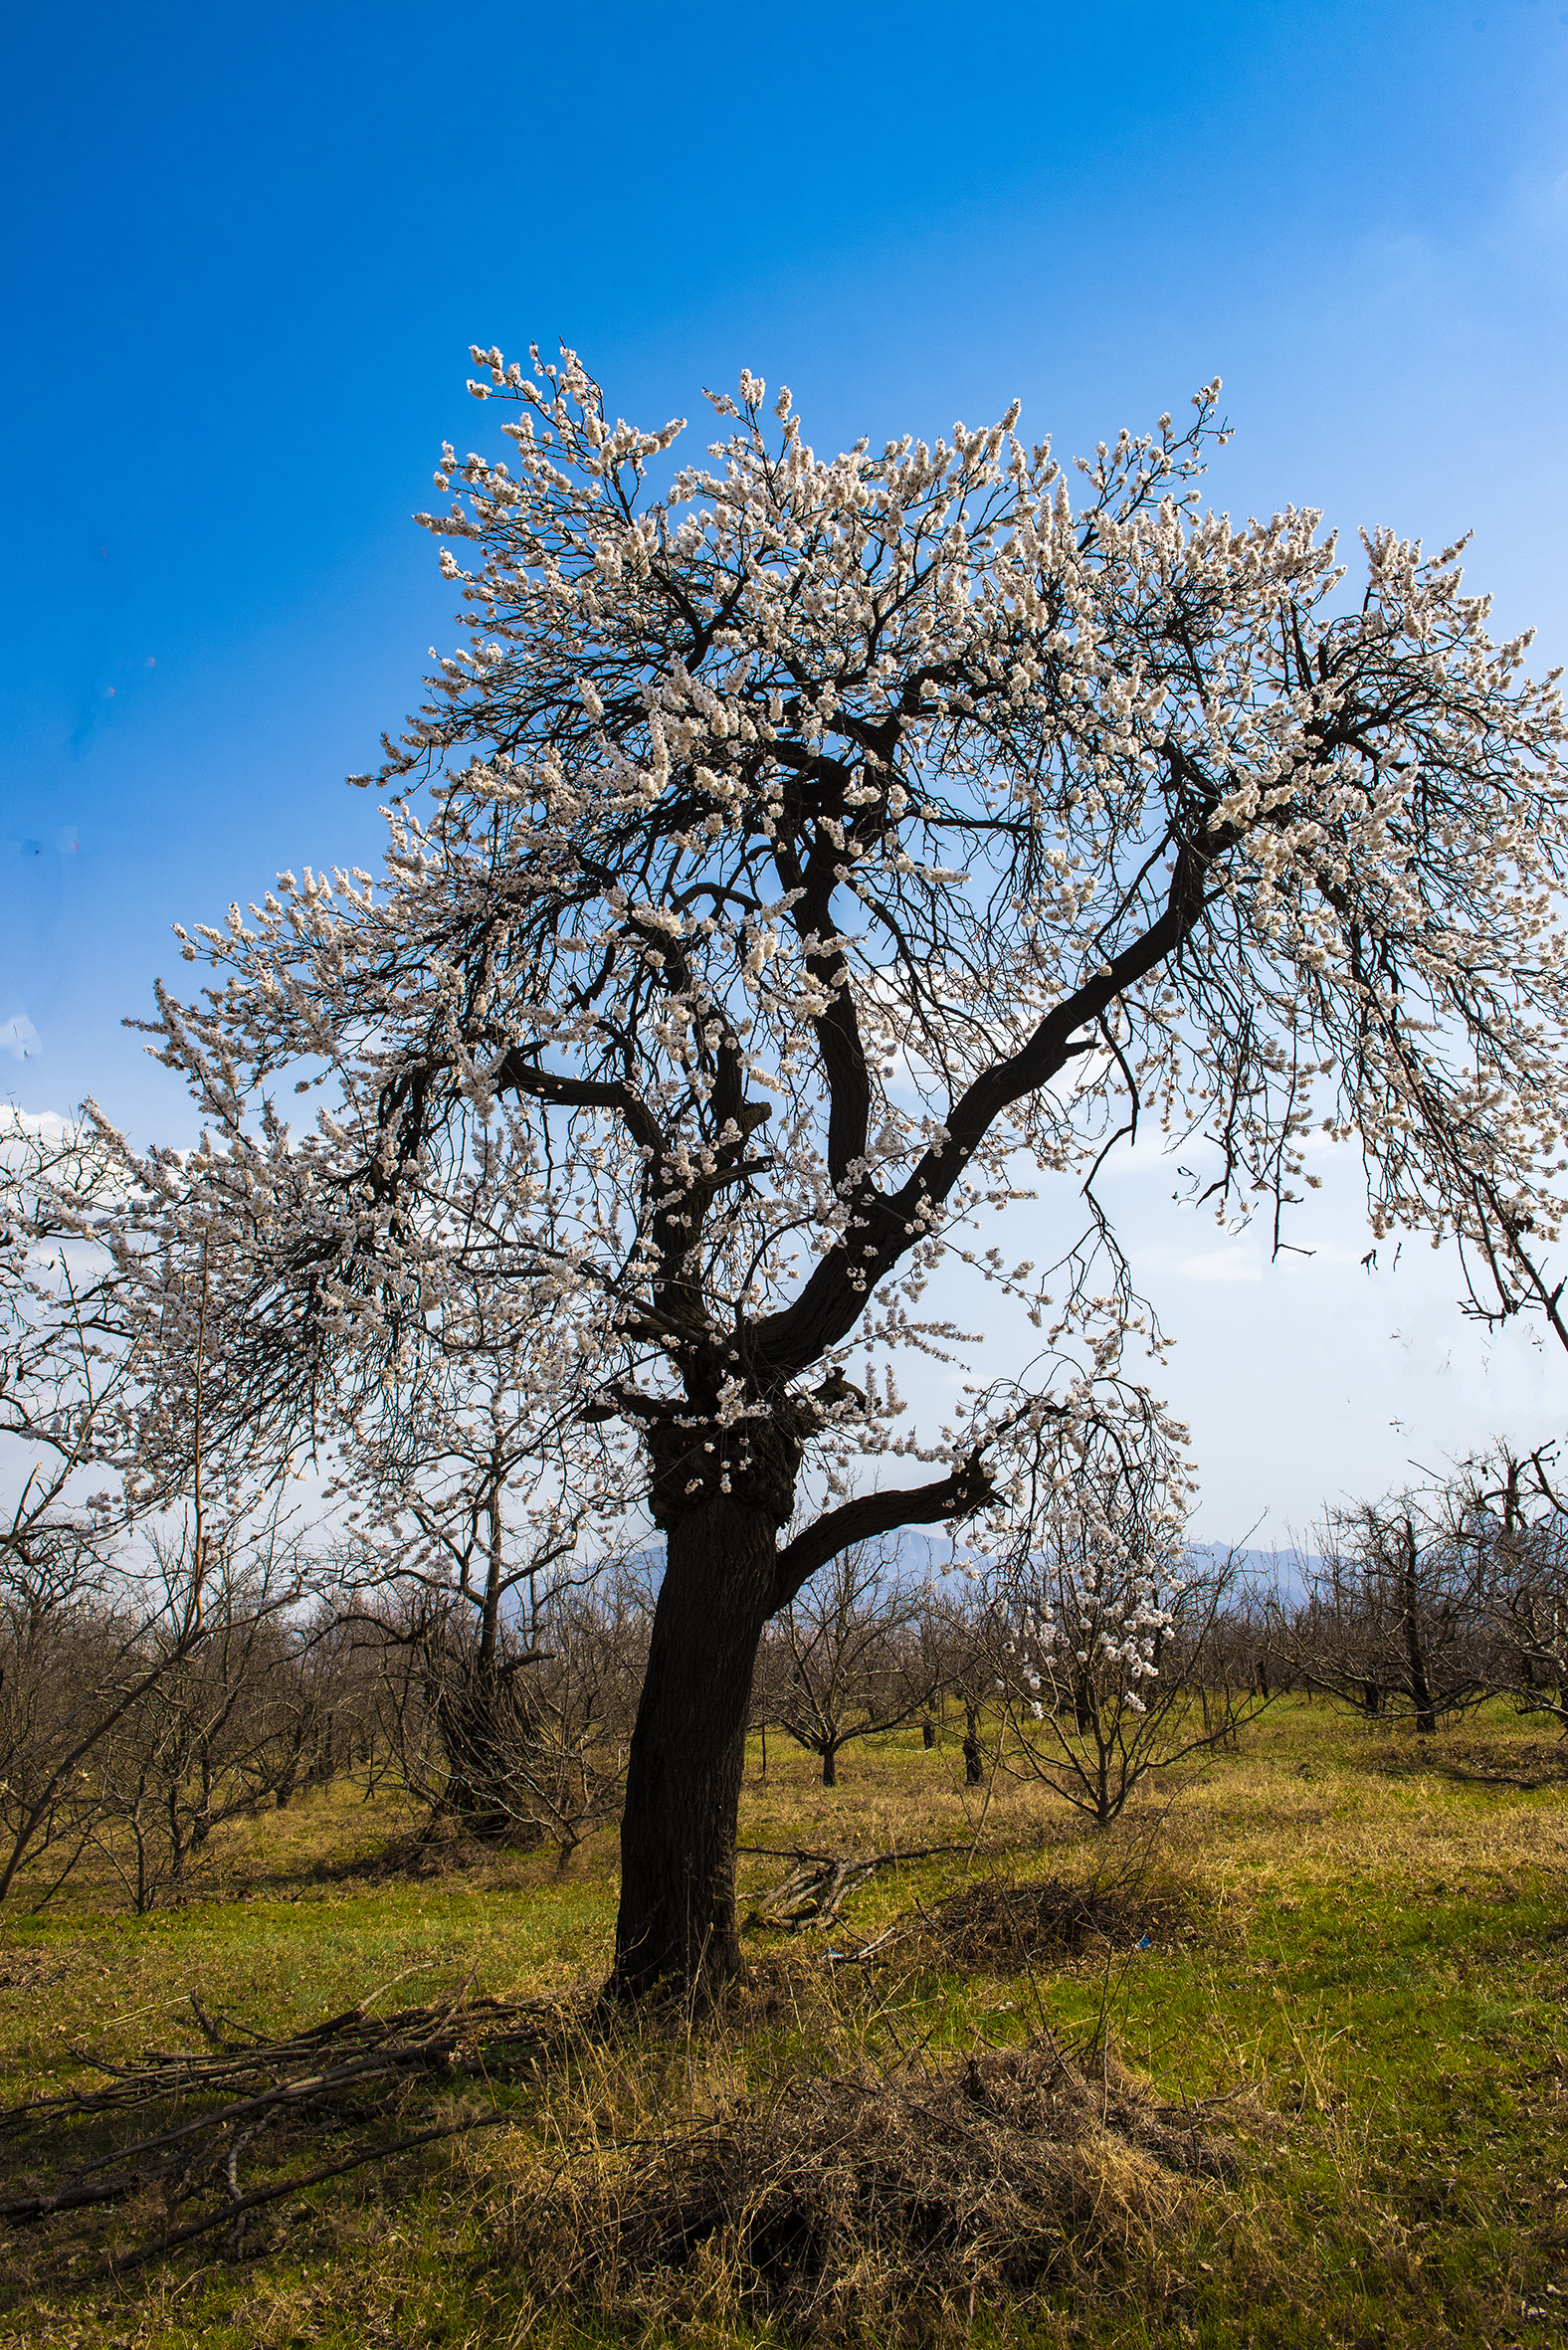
x=246, y=251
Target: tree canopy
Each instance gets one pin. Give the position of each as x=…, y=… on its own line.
x=804, y=858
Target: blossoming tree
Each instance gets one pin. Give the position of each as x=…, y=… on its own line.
x=801, y=857
x=1110, y=1623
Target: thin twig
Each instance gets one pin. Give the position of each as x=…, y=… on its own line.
x=121, y=2263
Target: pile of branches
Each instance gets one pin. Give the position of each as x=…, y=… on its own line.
x=877, y=2207
x=178, y=2145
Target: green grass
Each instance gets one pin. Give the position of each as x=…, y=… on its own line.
x=1367, y=1958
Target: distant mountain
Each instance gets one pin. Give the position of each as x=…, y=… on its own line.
x=1286, y=1569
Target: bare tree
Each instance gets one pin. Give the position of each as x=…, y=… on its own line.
x=1393, y=1619
x=73, y=1375
x=770, y=1681
x=140, y=1563
x=206, y=1740
x=811, y=844
x=966, y=1631
x=61, y=1622
x=528, y=1744
x=851, y=1661
x=464, y=1476
x=1511, y=1516
x=494, y=1517
x=1527, y=1608
x=579, y=1706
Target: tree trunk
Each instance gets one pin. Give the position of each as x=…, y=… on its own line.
x=974, y=1767
x=1105, y=1807
x=1415, y=1651
x=490, y=1613
x=176, y=1836
x=927, y=1735
x=677, y=1922
x=201, y=1826
x=829, y=1767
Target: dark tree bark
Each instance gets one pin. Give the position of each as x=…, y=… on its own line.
x=974, y=1765
x=676, y=1918
x=724, y=1576
x=1414, y=1647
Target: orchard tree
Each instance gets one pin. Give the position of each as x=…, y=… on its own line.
x=139, y=1565
x=854, y=1662
x=1511, y=1506
x=456, y=1484
x=805, y=856
x=1112, y=1625
x=1395, y=1615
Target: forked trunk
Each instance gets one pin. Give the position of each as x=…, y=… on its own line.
x=677, y=1922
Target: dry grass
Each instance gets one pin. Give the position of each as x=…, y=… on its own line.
x=876, y=2207
x=1358, y=1942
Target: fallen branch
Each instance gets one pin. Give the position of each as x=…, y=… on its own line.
x=267, y=2099
x=235, y=2213
x=815, y=1889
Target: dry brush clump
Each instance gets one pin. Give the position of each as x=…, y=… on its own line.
x=191, y=2147
x=1000, y=1926
x=873, y=2206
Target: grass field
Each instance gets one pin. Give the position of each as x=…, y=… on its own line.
x=1353, y=1943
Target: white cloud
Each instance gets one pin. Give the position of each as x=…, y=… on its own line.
x=47, y=1123
x=18, y=1126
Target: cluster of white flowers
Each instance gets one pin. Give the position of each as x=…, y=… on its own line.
x=1088, y=1540
x=797, y=850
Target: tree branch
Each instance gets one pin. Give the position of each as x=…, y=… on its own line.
x=870, y=1514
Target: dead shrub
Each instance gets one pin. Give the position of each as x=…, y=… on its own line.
x=998, y=1925
x=874, y=2207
